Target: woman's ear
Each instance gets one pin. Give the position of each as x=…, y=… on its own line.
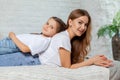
x=70, y=22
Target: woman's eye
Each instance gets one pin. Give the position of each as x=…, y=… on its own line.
x=80, y=22
x=86, y=25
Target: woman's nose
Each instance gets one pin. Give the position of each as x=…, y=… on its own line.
x=83, y=27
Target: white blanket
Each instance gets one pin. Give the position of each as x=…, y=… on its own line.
x=43, y=72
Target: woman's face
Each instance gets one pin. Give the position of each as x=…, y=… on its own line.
x=50, y=28
x=79, y=25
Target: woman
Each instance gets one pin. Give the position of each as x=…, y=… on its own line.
x=69, y=48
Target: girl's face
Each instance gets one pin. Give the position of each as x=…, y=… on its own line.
x=50, y=28
x=79, y=25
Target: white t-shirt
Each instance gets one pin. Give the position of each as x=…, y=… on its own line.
x=51, y=55
x=36, y=43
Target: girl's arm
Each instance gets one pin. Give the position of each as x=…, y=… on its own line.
x=19, y=44
x=99, y=60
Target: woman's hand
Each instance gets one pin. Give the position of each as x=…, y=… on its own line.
x=101, y=60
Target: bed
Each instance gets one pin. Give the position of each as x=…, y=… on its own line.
x=44, y=72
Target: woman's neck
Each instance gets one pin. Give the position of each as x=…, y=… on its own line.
x=71, y=34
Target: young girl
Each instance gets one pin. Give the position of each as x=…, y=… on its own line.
x=31, y=42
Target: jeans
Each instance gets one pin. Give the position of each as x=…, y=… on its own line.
x=7, y=46
x=18, y=59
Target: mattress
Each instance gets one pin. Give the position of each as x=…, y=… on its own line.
x=44, y=72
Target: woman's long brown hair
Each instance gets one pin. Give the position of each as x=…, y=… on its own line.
x=80, y=45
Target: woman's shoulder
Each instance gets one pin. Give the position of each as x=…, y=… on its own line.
x=61, y=36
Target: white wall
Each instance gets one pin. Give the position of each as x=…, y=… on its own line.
x=102, y=12
x=26, y=16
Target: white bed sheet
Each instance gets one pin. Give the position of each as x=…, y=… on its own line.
x=43, y=72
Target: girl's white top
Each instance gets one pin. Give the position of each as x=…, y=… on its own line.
x=51, y=56
x=36, y=43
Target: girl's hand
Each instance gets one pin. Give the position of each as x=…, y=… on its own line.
x=24, y=48
x=101, y=60
x=11, y=35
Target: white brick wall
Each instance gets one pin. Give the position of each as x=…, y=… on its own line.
x=26, y=16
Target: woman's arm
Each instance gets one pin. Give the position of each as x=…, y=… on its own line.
x=19, y=44
x=99, y=60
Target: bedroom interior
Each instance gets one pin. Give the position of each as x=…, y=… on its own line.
x=27, y=16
